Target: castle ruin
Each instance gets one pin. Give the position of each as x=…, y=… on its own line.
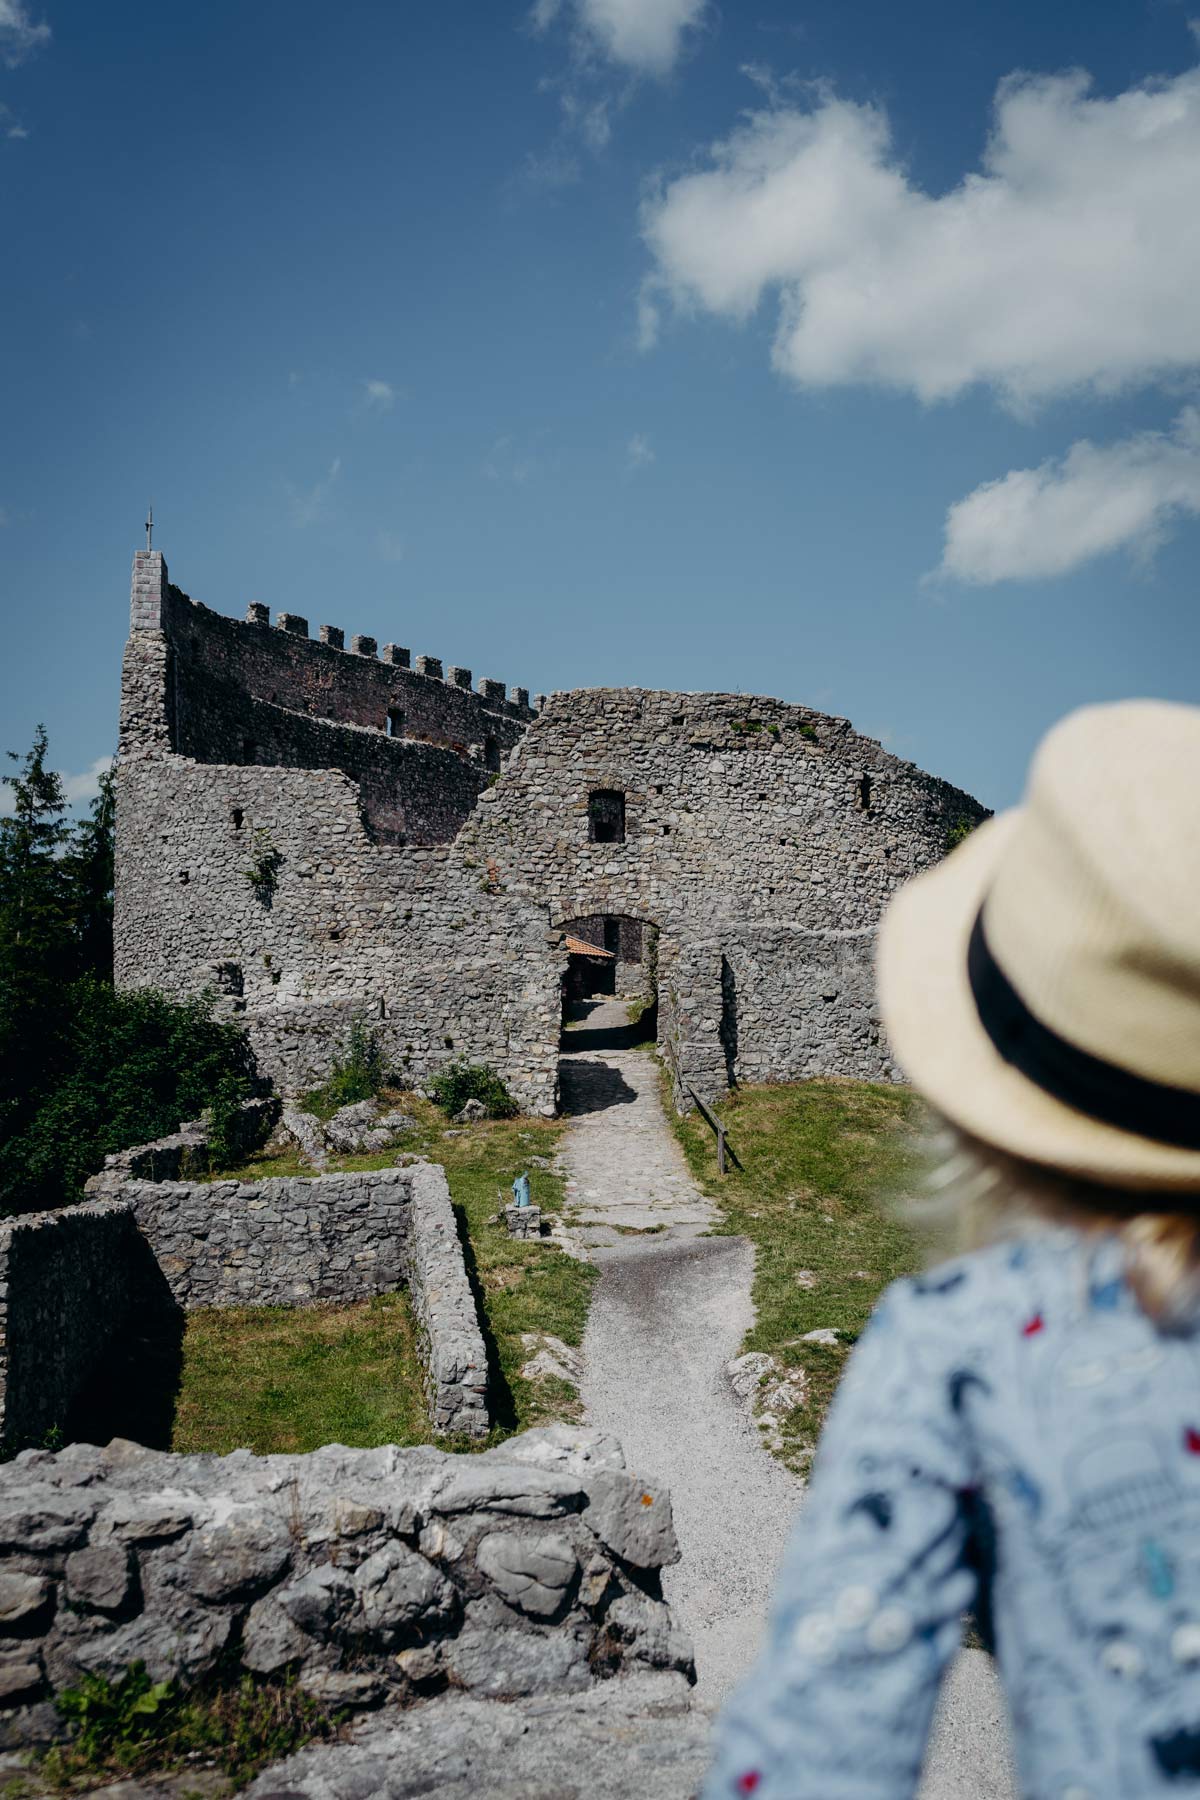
x=320, y=832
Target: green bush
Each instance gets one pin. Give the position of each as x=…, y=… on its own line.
x=138, y=1727
x=129, y=1066
x=359, y=1072
x=957, y=831
x=461, y=1081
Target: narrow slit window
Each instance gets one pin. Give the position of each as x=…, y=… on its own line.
x=238, y=817
x=606, y=816
x=395, y=721
x=864, y=793
x=491, y=755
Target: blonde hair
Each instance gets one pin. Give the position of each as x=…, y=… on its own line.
x=975, y=1195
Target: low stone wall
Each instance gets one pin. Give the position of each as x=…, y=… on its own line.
x=299, y=1240
x=287, y=1241
x=66, y=1285
x=372, y=1574
x=441, y=1296
x=185, y=1152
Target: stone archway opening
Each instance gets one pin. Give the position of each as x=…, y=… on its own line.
x=611, y=971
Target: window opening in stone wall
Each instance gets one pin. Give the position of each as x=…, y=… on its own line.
x=606, y=816
x=864, y=793
x=491, y=755
x=238, y=817
x=395, y=721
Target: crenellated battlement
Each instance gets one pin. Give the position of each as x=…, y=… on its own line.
x=489, y=690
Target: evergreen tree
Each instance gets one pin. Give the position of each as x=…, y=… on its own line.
x=37, y=927
x=90, y=875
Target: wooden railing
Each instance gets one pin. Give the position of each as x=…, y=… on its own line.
x=724, y=1147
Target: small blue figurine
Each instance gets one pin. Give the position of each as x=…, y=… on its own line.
x=520, y=1189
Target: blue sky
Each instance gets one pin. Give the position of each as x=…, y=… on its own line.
x=638, y=342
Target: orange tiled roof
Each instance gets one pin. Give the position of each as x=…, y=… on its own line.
x=577, y=947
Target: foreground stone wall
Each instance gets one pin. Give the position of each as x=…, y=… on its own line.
x=371, y=1574
x=66, y=1285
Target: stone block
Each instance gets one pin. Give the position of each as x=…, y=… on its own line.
x=257, y=613
x=334, y=636
x=396, y=655
x=459, y=678
x=362, y=645
x=429, y=665
x=523, y=1221
x=293, y=623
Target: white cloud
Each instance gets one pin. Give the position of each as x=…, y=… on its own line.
x=19, y=36
x=11, y=127
x=1071, y=260
x=379, y=396
x=81, y=788
x=644, y=36
x=639, y=452
x=308, y=505
x=1037, y=523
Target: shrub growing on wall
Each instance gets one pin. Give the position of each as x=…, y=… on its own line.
x=461, y=1081
x=359, y=1072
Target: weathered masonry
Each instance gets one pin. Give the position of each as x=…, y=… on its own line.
x=318, y=831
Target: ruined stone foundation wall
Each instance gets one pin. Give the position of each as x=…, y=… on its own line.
x=370, y=1575
x=66, y=1286
x=296, y=1241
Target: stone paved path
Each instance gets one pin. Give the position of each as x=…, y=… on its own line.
x=669, y=1312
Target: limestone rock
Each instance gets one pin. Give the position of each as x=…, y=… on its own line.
x=99, y=1577
x=548, y=1355
x=304, y=1130
x=21, y=1596
x=633, y=1519
x=636, y=1735
x=531, y=1572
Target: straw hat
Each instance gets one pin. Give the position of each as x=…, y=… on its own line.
x=1042, y=985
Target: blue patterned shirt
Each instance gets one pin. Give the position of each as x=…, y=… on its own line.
x=1012, y=1435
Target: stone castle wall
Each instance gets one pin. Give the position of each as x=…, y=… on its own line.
x=66, y=1287
x=761, y=841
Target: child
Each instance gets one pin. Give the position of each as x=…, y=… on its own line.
x=1018, y=1432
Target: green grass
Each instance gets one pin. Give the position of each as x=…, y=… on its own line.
x=135, y=1728
x=822, y=1160
x=520, y=1286
x=275, y=1378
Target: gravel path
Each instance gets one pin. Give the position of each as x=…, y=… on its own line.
x=669, y=1312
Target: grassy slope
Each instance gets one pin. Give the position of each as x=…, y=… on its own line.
x=522, y=1287
x=820, y=1159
